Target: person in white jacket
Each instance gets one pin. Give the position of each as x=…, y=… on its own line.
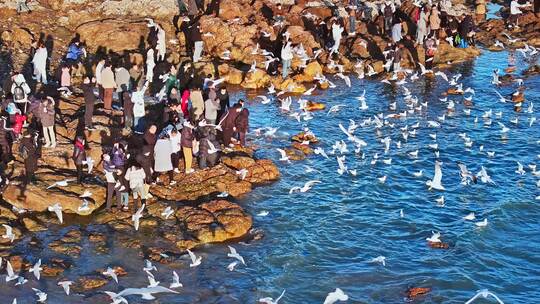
x=150, y=64
x=515, y=12
x=20, y=91
x=286, y=58
x=337, y=31
x=161, y=46
x=40, y=64
x=139, y=111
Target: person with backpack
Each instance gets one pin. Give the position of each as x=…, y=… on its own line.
x=20, y=91
x=29, y=151
x=46, y=116
x=40, y=64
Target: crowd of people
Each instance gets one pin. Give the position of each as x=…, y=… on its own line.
x=169, y=117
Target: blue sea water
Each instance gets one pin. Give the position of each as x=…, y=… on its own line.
x=326, y=238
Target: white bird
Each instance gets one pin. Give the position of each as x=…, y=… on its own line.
x=335, y=109
x=36, y=269
x=9, y=233
x=435, y=183
x=111, y=273
x=382, y=179
x=283, y=154
x=242, y=173
x=434, y=238
x=380, y=259
x=167, y=212
x=151, y=280
x=176, y=281
x=320, y=151
x=148, y=266
x=310, y=91
x=86, y=194
x=264, y=99
x=286, y=104
x=145, y=293
x=482, y=223
x=231, y=266
x=271, y=300
x=440, y=201
x=419, y=173
x=341, y=164
x=57, y=209
x=42, y=297
x=470, y=217
x=62, y=183
x=84, y=207
x=263, y=213
x=21, y=281
x=484, y=293
x=520, y=170
x=484, y=177
x=89, y=162
x=235, y=255
x=307, y=186
x=137, y=216
x=335, y=296
x=195, y=260
x=10, y=273
x=65, y=285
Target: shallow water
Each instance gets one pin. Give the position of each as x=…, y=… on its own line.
x=326, y=238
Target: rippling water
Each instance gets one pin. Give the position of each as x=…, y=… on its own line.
x=326, y=238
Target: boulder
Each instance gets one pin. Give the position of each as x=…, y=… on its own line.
x=113, y=34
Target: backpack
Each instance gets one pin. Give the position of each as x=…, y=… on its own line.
x=23, y=151
x=18, y=92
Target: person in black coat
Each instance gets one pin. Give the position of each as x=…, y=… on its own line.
x=5, y=140
x=228, y=123
x=145, y=159
x=30, y=152
x=89, y=101
x=208, y=143
x=224, y=105
x=242, y=124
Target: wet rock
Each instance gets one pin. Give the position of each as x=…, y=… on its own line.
x=33, y=225
x=438, y=245
x=128, y=242
x=73, y=236
x=16, y=262
x=315, y=106
x=69, y=249
x=97, y=238
x=212, y=222
x=415, y=292
x=533, y=70
x=305, y=137
x=294, y=154
x=7, y=213
x=110, y=216
x=306, y=149
x=51, y=271
x=89, y=283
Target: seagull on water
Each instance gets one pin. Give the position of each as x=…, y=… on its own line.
x=336, y=296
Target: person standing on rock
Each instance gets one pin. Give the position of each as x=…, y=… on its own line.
x=211, y=108
x=122, y=77
x=79, y=157
x=150, y=65
x=89, y=102
x=109, y=169
x=242, y=123
x=139, y=111
x=74, y=54
x=286, y=59
x=109, y=84
x=136, y=177
x=388, y=13
x=161, y=46
x=46, y=116
x=434, y=22
x=197, y=104
x=5, y=141
x=193, y=9
x=99, y=69
x=40, y=64
x=187, y=146
x=397, y=34
x=196, y=38
x=176, y=147
x=30, y=152
x=20, y=91
x=422, y=30
x=430, y=47
x=163, y=156
x=228, y=124
x=515, y=12
x=224, y=104
x=337, y=31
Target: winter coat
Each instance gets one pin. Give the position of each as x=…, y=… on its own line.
x=211, y=108
x=99, y=70
x=175, y=142
x=88, y=93
x=434, y=20
x=107, y=79
x=65, y=77
x=242, y=121
x=136, y=177
x=21, y=81
x=79, y=154
x=122, y=79
x=162, y=155
x=118, y=157
x=197, y=103
x=74, y=52
x=187, y=137
x=46, y=114
x=229, y=122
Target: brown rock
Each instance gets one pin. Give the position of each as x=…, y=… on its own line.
x=89, y=283
x=117, y=35
x=414, y=292
x=69, y=249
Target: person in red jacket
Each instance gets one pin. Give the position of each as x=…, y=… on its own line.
x=18, y=124
x=185, y=103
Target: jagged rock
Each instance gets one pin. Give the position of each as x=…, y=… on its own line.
x=116, y=35
x=211, y=222
x=32, y=225
x=295, y=154
x=256, y=80
x=73, y=236
x=69, y=249
x=7, y=213
x=97, y=238
x=306, y=149
x=89, y=283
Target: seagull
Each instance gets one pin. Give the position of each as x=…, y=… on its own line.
x=151, y=280
x=520, y=170
x=90, y=163
x=435, y=183
x=286, y=104
x=148, y=266
x=470, y=217
x=434, y=238
x=335, y=109
x=21, y=281
x=62, y=183
x=176, y=281
x=137, y=216
x=382, y=180
x=310, y=91
x=195, y=261
x=111, y=273
x=9, y=233
x=233, y=254
x=284, y=156
x=335, y=296
x=380, y=259
x=42, y=297
x=65, y=285
x=57, y=209
x=84, y=207
x=145, y=293
x=231, y=266
x=10, y=273
x=271, y=300
x=484, y=177
x=440, y=201
x=117, y=299
x=320, y=151
x=484, y=293
x=482, y=223
x=36, y=269
x=167, y=212
x=242, y=173
x=265, y=100
x=307, y=186
x=419, y=173
x=86, y=194
x=263, y=213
